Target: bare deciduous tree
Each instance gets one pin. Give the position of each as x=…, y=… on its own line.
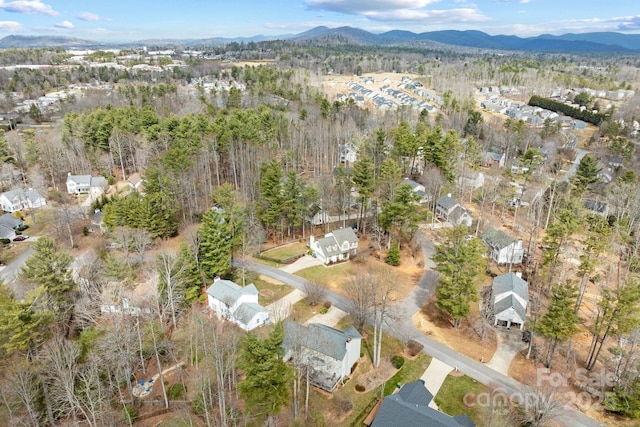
x=316, y=292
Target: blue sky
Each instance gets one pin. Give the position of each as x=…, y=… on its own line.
x=126, y=20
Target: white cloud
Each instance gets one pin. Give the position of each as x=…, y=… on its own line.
x=512, y=1
x=356, y=7
x=429, y=16
x=10, y=26
x=88, y=16
x=28, y=6
x=66, y=25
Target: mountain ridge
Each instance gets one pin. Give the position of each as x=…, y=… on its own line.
x=571, y=42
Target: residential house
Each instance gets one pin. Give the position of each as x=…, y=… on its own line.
x=510, y=295
x=339, y=245
x=597, y=207
x=471, y=179
x=97, y=221
x=329, y=353
x=410, y=407
x=237, y=304
x=81, y=184
x=136, y=182
x=9, y=224
x=450, y=210
x=348, y=153
x=418, y=189
x=18, y=199
x=493, y=160
x=503, y=248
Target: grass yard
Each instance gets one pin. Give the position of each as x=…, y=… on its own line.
x=287, y=251
x=269, y=291
x=411, y=371
x=335, y=277
x=450, y=398
x=302, y=311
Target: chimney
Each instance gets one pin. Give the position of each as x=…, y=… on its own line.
x=519, y=274
x=311, y=240
x=448, y=194
x=215, y=279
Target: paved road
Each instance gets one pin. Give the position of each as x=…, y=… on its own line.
x=574, y=167
x=406, y=329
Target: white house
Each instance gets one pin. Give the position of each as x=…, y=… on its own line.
x=136, y=182
x=503, y=248
x=418, y=189
x=237, y=304
x=450, y=210
x=348, y=153
x=471, y=179
x=18, y=199
x=510, y=299
x=81, y=184
x=339, y=245
x=9, y=224
x=329, y=353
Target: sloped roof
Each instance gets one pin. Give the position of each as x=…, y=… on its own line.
x=409, y=407
x=447, y=202
x=496, y=238
x=345, y=234
x=14, y=195
x=6, y=232
x=456, y=215
x=321, y=338
x=229, y=292
x=493, y=156
x=595, y=205
x=510, y=302
x=33, y=195
x=79, y=179
x=510, y=282
x=10, y=221
x=247, y=311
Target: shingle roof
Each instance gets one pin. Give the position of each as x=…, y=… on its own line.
x=510, y=302
x=247, y=311
x=345, y=234
x=409, y=408
x=331, y=244
x=510, y=282
x=10, y=221
x=228, y=292
x=496, y=238
x=447, y=202
x=321, y=338
x=80, y=179
x=595, y=205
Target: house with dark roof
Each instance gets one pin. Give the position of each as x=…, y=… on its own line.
x=237, y=304
x=9, y=224
x=450, y=210
x=503, y=248
x=409, y=407
x=338, y=245
x=510, y=295
x=328, y=353
x=493, y=160
x=597, y=207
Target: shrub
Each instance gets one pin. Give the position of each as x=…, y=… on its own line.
x=342, y=403
x=397, y=361
x=327, y=305
x=414, y=347
x=23, y=227
x=129, y=414
x=5, y=241
x=360, y=388
x=393, y=256
x=177, y=391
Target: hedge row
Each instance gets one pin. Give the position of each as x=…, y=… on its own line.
x=567, y=110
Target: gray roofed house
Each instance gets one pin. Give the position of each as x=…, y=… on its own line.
x=237, y=304
x=328, y=352
x=503, y=248
x=450, y=210
x=79, y=184
x=597, y=207
x=18, y=199
x=510, y=299
x=409, y=407
x=492, y=159
x=8, y=226
x=339, y=245
x=418, y=189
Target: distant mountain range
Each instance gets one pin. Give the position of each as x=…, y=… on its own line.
x=585, y=42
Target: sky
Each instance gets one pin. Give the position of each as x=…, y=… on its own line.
x=129, y=20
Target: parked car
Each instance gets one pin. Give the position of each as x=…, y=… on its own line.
x=20, y=238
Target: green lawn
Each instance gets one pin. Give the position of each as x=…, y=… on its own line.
x=268, y=292
x=450, y=398
x=302, y=311
x=327, y=275
x=411, y=371
x=286, y=251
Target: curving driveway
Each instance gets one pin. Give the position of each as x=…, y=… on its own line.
x=405, y=329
